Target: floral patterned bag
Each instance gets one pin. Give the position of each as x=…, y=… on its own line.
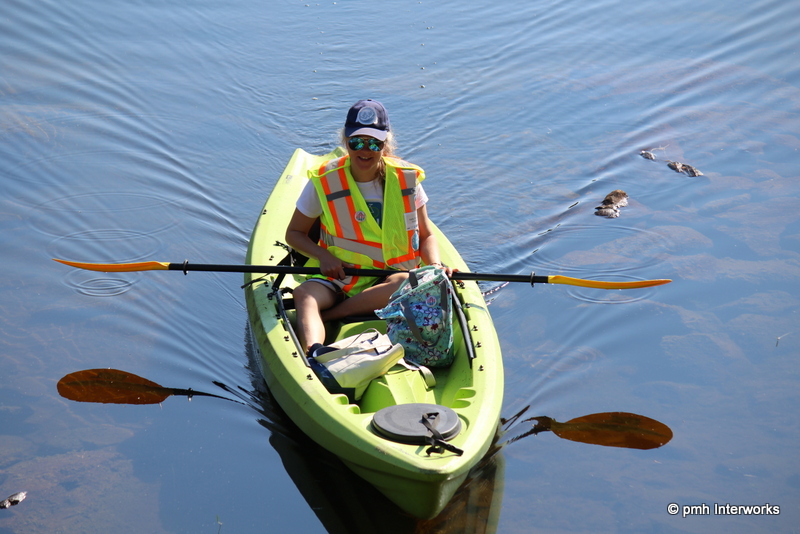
x=419, y=317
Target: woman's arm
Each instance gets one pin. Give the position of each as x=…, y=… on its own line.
x=297, y=238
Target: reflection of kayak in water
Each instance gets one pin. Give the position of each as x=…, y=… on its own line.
x=344, y=504
x=468, y=395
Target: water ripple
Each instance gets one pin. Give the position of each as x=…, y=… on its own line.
x=105, y=245
x=76, y=214
x=604, y=296
x=97, y=285
x=607, y=249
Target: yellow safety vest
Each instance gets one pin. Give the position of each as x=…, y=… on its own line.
x=350, y=232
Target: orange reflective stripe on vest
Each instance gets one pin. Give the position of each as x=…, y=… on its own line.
x=411, y=225
x=367, y=248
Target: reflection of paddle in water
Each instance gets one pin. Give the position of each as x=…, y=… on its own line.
x=340, y=499
x=610, y=429
x=119, y=387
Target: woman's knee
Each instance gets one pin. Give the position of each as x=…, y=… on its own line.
x=313, y=294
x=395, y=280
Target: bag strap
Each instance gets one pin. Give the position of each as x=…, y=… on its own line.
x=427, y=374
x=357, y=343
x=412, y=322
x=361, y=339
x=338, y=353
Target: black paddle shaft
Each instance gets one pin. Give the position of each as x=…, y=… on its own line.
x=377, y=273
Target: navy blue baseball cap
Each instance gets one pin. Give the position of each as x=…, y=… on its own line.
x=367, y=117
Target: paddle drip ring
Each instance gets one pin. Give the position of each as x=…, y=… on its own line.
x=185, y=267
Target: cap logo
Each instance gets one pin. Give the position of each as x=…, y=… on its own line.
x=367, y=116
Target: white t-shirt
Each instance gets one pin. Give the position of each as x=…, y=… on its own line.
x=309, y=204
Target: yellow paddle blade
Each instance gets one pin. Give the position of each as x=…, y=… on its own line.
x=118, y=267
x=566, y=280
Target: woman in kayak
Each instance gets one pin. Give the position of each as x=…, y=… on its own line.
x=371, y=207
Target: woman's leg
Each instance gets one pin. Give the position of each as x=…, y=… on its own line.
x=310, y=298
x=371, y=299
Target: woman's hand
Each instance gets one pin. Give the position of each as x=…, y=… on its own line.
x=297, y=238
x=331, y=266
x=447, y=270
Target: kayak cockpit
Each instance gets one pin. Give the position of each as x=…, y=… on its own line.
x=451, y=386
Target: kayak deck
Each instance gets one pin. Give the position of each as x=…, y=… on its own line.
x=418, y=481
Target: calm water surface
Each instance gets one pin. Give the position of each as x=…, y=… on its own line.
x=155, y=130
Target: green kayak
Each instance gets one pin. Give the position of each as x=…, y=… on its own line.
x=419, y=478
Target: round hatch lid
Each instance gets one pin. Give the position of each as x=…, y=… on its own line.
x=404, y=422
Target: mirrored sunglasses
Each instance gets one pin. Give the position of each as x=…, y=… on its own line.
x=357, y=143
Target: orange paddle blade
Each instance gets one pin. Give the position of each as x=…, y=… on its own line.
x=111, y=386
x=566, y=280
x=117, y=267
x=615, y=429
